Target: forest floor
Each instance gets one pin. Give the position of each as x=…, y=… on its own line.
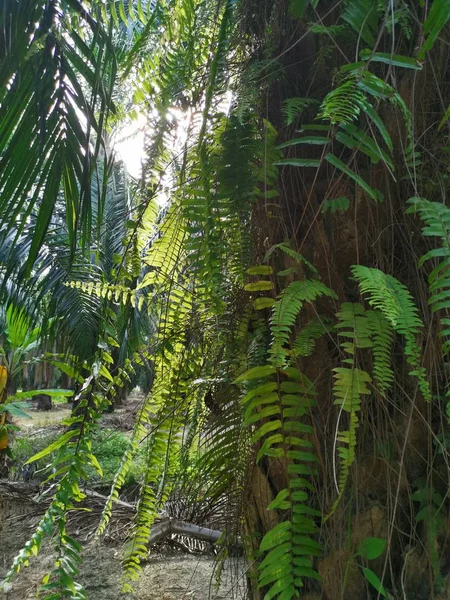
x=168, y=574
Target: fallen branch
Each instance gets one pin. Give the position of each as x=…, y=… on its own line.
x=163, y=528
x=169, y=527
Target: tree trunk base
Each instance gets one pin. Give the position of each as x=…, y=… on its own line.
x=44, y=402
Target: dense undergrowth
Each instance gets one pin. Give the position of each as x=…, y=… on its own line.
x=108, y=445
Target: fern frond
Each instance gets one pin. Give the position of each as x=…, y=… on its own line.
x=382, y=337
x=218, y=465
x=395, y=302
x=135, y=550
x=139, y=431
x=169, y=398
x=285, y=311
x=352, y=324
x=117, y=292
x=275, y=412
x=344, y=104
x=293, y=108
x=436, y=217
x=342, y=107
x=74, y=456
x=350, y=384
x=305, y=341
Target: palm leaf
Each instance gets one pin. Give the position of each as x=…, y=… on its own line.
x=49, y=122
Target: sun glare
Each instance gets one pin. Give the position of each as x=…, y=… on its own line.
x=129, y=145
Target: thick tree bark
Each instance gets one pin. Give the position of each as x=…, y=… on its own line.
x=44, y=402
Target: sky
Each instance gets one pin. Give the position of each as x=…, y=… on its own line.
x=129, y=146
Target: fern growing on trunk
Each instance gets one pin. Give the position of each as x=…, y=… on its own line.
x=277, y=413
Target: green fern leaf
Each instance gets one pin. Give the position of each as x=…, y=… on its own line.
x=382, y=336
x=391, y=59
x=294, y=107
x=285, y=311
x=395, y=302
x=289, y=546
x=344, y=104
x=436, y=217
x=305, y=341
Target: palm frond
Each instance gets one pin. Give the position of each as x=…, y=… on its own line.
x=50, y=59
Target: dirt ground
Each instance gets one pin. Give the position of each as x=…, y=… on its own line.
x=43, y=419
x=166, y=575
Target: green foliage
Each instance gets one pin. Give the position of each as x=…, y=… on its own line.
x=305, y=341
x=338, y=164
x=293, y=108
x=47, y=81
x=174, y=250
x=257, y=75
x=117, y=292
x=430, y=513
x=401, y=16
x=23, y=448
x=391, y=59
x=20, y=336
x=340, y=204
x=438, y=17
x=285, y=311
x=18, y=325
x=73, y=456
x=108, y=446
x=16, y=409
x=362, y=17
x=436, y=217
x=126, y=12
x=285, y=248
x=374, y=580
x=360, y=330
x=61, y=440
x=276, y=412
x=382, y=336
x=169, y=398
x=47, y=392
x=395, y=302
x=370, y=548
x=349, y=385
x=298, y=7
x=344, y=104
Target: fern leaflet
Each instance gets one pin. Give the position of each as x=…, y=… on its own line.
x=395, y=302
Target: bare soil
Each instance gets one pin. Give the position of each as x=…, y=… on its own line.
x=39, y=419
x=166, y=575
